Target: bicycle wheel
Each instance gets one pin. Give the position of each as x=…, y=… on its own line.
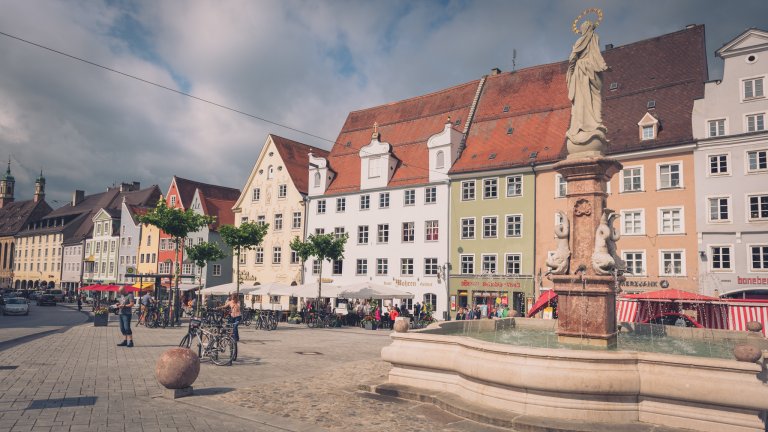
x=186, y=341
x=203, y=341
x=222, y=351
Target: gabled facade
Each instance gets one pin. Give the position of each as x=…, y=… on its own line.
x=102, y=249
x=148, y=250
x=648, y=95
x=385, y=183
x=732, y=170
x=130, y=236
x=275, y=194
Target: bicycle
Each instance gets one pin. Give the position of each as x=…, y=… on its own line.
x=217, y=344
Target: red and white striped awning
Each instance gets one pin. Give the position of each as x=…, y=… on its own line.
x=739, y=315
x=626, y=311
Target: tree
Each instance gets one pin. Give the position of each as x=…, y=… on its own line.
x=323, y=247
x=245, y=237
x=178, y=224
x=202, y=254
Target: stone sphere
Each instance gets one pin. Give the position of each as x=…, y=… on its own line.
x=754, y=326
x=747, y=353
x=177, y=368
x=401, y=325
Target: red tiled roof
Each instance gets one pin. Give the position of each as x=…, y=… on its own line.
x=295, y=155
x=221, y=209
x=187, y=189
x=406, y=125
x=669, y=69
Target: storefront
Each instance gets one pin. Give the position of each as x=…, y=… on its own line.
x=490, y=293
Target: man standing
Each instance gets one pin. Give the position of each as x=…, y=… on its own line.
x=146, y=301
x=125, y=305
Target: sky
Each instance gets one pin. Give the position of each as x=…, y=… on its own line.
x=304, y=64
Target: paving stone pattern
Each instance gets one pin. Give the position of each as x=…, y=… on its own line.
x=294, y=379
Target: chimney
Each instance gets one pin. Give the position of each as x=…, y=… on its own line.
x=608, y=47
x=78, y=197
x=495, y=71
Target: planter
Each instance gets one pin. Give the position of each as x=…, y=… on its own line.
x=369, y=325
x=100, y=320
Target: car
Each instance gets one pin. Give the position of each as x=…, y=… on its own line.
x=46, y=299
x=16, y=306
x=57, y=294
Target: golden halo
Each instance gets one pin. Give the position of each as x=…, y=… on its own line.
x=584, y=14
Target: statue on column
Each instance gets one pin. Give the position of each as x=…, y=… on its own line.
x=586, y=134
x=559, y=262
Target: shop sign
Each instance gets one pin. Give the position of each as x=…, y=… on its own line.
x=479, y=283
x=640, y=283
x=752, y=280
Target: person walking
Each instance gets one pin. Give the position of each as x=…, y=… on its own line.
x=125, y=305
x=79, y=303
x=235, y=315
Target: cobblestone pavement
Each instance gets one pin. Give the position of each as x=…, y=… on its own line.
x=294, y=379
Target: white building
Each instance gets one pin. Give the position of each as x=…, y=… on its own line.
x=732, y=170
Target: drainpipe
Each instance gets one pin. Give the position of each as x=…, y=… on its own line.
x=533, y=171
x=306, y=212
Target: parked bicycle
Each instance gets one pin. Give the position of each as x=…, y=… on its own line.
x=211, y=340
x=322, y=320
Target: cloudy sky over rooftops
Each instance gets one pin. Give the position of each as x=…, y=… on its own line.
x=305, y=64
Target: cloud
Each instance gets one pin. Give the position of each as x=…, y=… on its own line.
x=301, y=63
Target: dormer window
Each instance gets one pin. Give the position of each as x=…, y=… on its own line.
x=317, y=179
x=440, y=160
x=649, y=127
x=373, y=168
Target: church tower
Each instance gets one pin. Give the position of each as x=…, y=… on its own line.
x=40, y=187
x=7, y=184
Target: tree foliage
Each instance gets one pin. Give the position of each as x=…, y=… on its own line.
x=247, y=236
x=322, y=246
x=205, y=252
x=175, y=222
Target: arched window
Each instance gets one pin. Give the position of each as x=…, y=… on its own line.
x=440, y=160
x=317, y=179
x=270, y=172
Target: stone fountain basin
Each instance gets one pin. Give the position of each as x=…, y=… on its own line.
x=598, y=386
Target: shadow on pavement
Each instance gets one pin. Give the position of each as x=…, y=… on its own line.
x=211, y=391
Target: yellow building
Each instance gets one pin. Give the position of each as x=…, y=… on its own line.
x=148, y=248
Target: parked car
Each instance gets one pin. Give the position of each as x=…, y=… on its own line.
x=57, y=294
x=16, y=306
x=46, y=299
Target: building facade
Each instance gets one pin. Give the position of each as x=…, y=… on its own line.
x=732, y=171
x=103, y=248
x=275, y=194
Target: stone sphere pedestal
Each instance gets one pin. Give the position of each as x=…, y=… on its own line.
x=586, y=301
x=176, y=370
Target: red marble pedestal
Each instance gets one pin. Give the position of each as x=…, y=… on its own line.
x=586, y=305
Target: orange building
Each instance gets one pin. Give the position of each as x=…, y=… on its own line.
x=648, y=95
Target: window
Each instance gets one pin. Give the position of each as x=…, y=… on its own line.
x=648, y=132
x=338, y=232
x=321, y=207
x=718, y=164
x=489, y=263
x=430, y=195
x=270, y=172
x=513, y=264
x=440, y=160
x=362, y=267
x=256, y=194
x=756, y=122
x=514, y=225
x=187, y=269
x=277, y=254
x=295, y=257
x=669, y=176
x=408, y=232
x=632, y=179
x=633, y=222
x=490, y=188
x=431, y=299
x=296, y=220
x=261, y=219
x=243, y=219
x=759, y=255
x=721, y=258
x=338, y=267
x=514, y=186
x=753, y=88
x=317, y=180
x=671, y=221
x=365, y=202
x=319, y=231
x=242, y=258
x=467, y=228
x=282, y=191
x=316, y=264
x=278, y=221
x=382, y=234
x=259, y=255
x=758, y=207
x=432, y=230
x=635, y=261
x=430, y=267
x=468, y=190
x=384, y=200
x=173, y=201
x=467, y=264
x=373, y=168
x=489, y=226
x=716, y=127
x=382, y=266
x=757, y=160
x=341, y=205
x=362, y=234
x=672, y=263
x=149, y=240
x=410, y=197
x=406, y=267
x=719, y=209
x=216, y=270
x=561, y=186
